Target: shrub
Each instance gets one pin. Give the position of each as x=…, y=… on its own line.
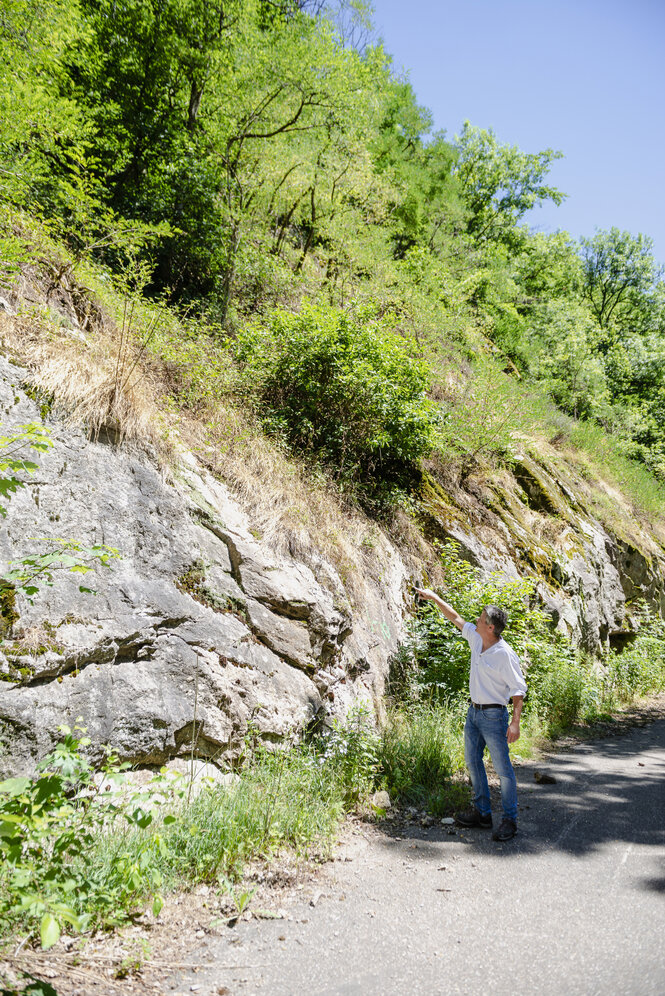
x=640, y=669
x=49, y=832
x=342, y=389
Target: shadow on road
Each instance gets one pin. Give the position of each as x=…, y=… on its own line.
x=609, y=791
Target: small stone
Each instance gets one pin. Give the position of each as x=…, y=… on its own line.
x=381, y=800
x=448, y=821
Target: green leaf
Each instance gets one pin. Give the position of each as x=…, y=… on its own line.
x=157, y=904
x=36, y=988
x=49, y=931
x=14, y=786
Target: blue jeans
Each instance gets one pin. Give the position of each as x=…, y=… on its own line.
x=488, y=727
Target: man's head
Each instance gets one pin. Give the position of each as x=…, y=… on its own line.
x=494, y=618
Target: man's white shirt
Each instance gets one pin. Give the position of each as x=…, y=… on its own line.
x=495, y=674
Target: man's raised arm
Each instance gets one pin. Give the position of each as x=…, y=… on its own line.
x=448, y=610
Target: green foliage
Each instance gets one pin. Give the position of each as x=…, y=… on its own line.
x=49, y=830
x=567, y=360
x=37, y=569
x=620, y=279
x=41, y=130
x=421, y=749
x=283, y=798
x=640, y=668
x=25, y=576
x=343, y=390
x=486, y=416
x=500, y=182
x=14, y=457
x=439, y=656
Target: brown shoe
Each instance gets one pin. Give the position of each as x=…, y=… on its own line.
x=474, y=818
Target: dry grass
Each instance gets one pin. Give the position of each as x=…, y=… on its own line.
x=91, y=379
x=291, y=510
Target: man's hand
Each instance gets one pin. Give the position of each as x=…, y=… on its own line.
x=513, y=733
x=430, y=596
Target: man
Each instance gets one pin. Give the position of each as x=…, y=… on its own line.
x=495, y=677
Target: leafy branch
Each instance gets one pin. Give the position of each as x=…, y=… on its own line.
x=13, y=457
x=65, y=555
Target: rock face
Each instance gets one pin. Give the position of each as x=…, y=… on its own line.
x=198, y=633
x=201, y=632
x=537, y=520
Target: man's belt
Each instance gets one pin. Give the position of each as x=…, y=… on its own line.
x=487, y=705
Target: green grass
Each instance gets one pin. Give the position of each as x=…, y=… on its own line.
x=602, y=455
x=421, y=749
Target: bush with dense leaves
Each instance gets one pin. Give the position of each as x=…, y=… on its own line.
x=344, y=390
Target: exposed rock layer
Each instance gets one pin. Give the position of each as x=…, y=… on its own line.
x=201, y=631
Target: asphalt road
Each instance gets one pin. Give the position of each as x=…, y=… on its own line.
x=574, y=905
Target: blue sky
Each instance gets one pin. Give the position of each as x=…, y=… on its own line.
x=586, y=77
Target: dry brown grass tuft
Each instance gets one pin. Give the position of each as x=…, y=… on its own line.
x=93, y=379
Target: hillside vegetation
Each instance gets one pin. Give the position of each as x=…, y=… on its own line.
x=258, y=204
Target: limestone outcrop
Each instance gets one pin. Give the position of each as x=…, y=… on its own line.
x=201, y=631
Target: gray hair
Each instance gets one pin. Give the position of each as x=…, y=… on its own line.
x=497, y=618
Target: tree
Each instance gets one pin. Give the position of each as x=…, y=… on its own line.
x=620, y=280
x=564, y=356
x=548, y=267
x=500, y=182
x=41, y=126
x=425, y=203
